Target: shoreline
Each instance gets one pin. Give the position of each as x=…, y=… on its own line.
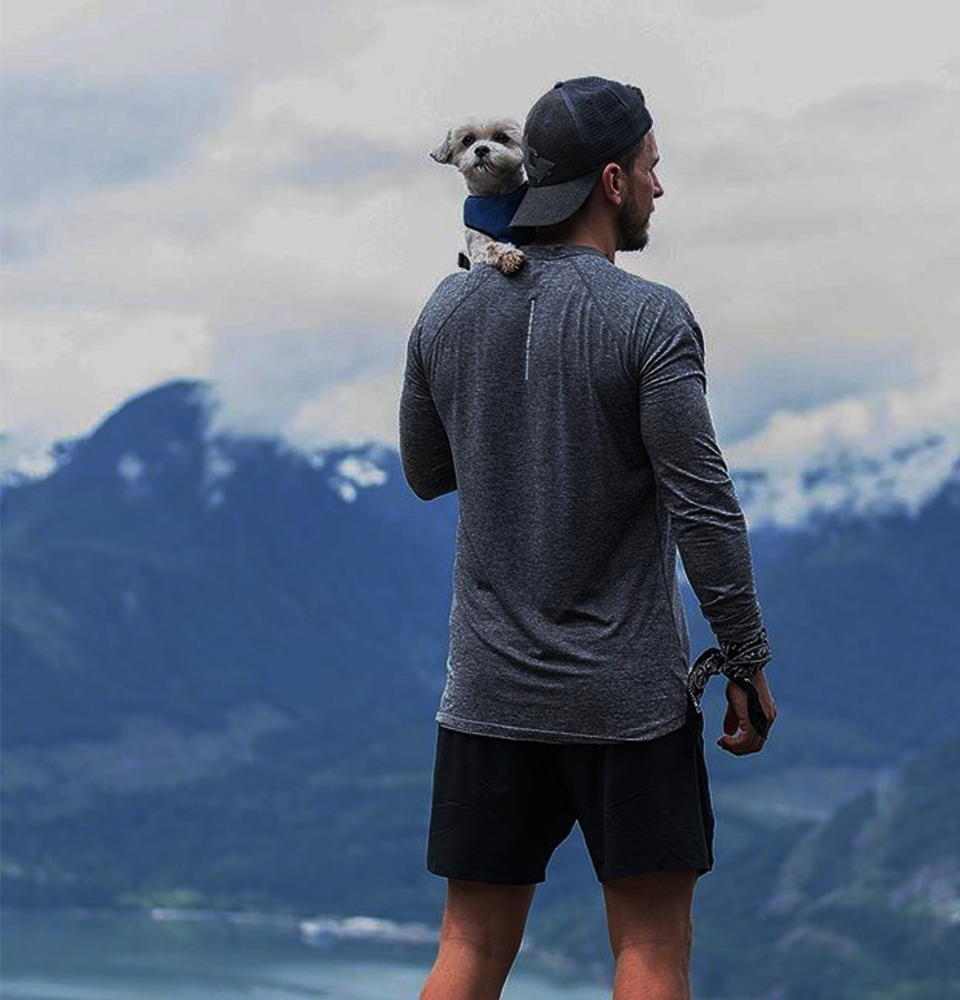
x=319, y=931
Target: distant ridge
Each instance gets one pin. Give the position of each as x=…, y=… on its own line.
x=900, y=477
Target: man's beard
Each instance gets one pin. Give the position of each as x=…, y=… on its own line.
x=634, y=233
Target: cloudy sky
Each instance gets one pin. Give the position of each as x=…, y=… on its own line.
x=241, y=191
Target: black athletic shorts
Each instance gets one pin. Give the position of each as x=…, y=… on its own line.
x=500, y=807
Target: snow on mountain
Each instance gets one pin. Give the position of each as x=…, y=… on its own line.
x=853, y=458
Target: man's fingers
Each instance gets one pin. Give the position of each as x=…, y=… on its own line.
x=737, y=716
x=740, y=735
x=731, y=722
x=747, y=740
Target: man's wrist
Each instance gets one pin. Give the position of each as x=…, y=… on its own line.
x=743, y=659
x=738, y=661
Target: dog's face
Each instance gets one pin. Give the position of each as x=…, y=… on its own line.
x=488, y=154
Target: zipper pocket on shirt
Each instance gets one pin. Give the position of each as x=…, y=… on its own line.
x=526, y=373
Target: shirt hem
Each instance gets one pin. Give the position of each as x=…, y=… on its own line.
x=479, y=728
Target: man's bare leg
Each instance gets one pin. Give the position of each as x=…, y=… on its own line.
x=650, y=924
x=482, y=931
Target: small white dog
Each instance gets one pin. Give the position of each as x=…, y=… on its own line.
x=489, y=154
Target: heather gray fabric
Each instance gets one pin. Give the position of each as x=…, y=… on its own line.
x=566, y=405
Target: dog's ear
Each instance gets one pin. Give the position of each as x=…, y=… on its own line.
x=444, y=152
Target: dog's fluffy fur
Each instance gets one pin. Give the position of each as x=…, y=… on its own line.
x=489, y=154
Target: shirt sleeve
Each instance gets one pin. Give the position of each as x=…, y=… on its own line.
x=424, y=447
x=693, y=481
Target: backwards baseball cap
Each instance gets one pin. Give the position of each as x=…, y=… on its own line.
x=570, y=135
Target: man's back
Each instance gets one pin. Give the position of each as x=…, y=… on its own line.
x=567, y=404
x=572, y=395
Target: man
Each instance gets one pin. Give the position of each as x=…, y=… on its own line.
x=566, y=406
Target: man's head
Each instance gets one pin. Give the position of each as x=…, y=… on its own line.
x=590, y=155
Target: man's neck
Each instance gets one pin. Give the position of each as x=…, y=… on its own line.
x=582, y=236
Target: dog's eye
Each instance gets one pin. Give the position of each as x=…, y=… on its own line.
x=469, y=140
x=502, y=138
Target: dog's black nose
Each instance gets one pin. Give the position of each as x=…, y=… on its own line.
x=481, y=150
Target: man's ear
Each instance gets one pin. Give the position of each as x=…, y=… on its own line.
x=613, y=180
x=444, y=152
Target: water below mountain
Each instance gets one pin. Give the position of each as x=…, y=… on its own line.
x=110, y=957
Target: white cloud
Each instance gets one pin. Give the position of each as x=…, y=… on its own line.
x=285, y=249
x=349, y=413
x=63, y=134
x=65, y=367
x=869, y=452
x=26, y=21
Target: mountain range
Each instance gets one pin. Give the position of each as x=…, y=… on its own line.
x=222, y=659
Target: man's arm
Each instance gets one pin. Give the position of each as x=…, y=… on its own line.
x=711, y=532
x=424, y=447
x=693, y=480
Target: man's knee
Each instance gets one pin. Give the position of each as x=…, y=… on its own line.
x=494, y=953
x=669, y=947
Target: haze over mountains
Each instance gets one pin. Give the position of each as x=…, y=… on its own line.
x=222, y=658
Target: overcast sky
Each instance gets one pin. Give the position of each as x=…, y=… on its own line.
x=241, y=191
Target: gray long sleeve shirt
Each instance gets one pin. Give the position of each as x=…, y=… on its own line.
x=566, y=404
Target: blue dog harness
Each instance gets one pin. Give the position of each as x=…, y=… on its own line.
x=491, y=215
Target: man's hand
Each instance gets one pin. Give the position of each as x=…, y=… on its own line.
x=740, y=737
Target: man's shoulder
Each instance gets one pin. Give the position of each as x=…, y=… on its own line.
x=639, y=298
x=642, y=289
x=625, y=298
x=444, y=298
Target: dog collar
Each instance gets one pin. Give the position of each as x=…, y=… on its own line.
x=491, y=214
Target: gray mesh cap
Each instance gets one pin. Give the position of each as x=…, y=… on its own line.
x=570, y=135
